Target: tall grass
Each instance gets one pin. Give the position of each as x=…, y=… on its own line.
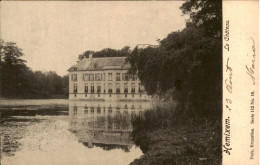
x=165, y=117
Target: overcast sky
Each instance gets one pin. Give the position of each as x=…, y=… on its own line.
x=53, y=34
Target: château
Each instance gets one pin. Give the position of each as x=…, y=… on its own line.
x=104, y=78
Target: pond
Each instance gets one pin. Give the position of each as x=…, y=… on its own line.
x=68, y=132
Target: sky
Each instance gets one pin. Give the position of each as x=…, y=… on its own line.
x=53, y=34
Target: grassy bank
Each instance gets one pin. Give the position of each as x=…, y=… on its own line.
x=169, y=137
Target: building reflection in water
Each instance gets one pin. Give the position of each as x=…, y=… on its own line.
x=104, y=124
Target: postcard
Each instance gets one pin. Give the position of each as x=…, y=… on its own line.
x=129, y=82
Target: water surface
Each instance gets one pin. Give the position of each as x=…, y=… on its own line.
x=68, y=132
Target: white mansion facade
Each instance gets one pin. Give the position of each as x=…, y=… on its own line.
x=104, y=78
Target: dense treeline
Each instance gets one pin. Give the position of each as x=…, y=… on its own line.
x=19, y=81
x=185, y=69
x=107, y=52
x=188, y=63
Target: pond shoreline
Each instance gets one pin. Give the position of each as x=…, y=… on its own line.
x=181, y=145
x=167, y=137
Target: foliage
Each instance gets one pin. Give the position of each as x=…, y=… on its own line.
x=168, y=137
x=19, y=81
x=12, y=69
x=48, y=84
x=147, y=62
x=187, y=62
x=107, y=52
x=205, y=14
x=188, y=66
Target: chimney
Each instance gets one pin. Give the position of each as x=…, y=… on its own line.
x=90, y=56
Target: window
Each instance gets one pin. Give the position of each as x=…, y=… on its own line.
x=92, y=87
x=74, y=77
x=117, y=76
x=110, y=88
x=125, y=77
x=125, y=88
x=98, y=77
x=104, y=88
x=126, y=112
x=117, y=88
x=91, y=77
x=98, y=88
x=109, y=109
x=75, y=88
x=104, y=76
x=74, y=110
x=133, y=88
x=133, y=77
x=92, y=110
x=110, y=75
x=85, y=110
x=85, y=77
x=98, y=109
x=141, y=89
x=86, y=88
x=118, y=113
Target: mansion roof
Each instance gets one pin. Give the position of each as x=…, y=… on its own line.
x=102, y=63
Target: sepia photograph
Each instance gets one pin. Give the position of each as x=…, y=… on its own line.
x=113, y=83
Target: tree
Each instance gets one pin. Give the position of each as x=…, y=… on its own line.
x=19, y=81
x=187, y=62
x=85, y=54
x=107, y=52
x=126, y=50
x=205, y=14
x=146, y=62
x=12, y=69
